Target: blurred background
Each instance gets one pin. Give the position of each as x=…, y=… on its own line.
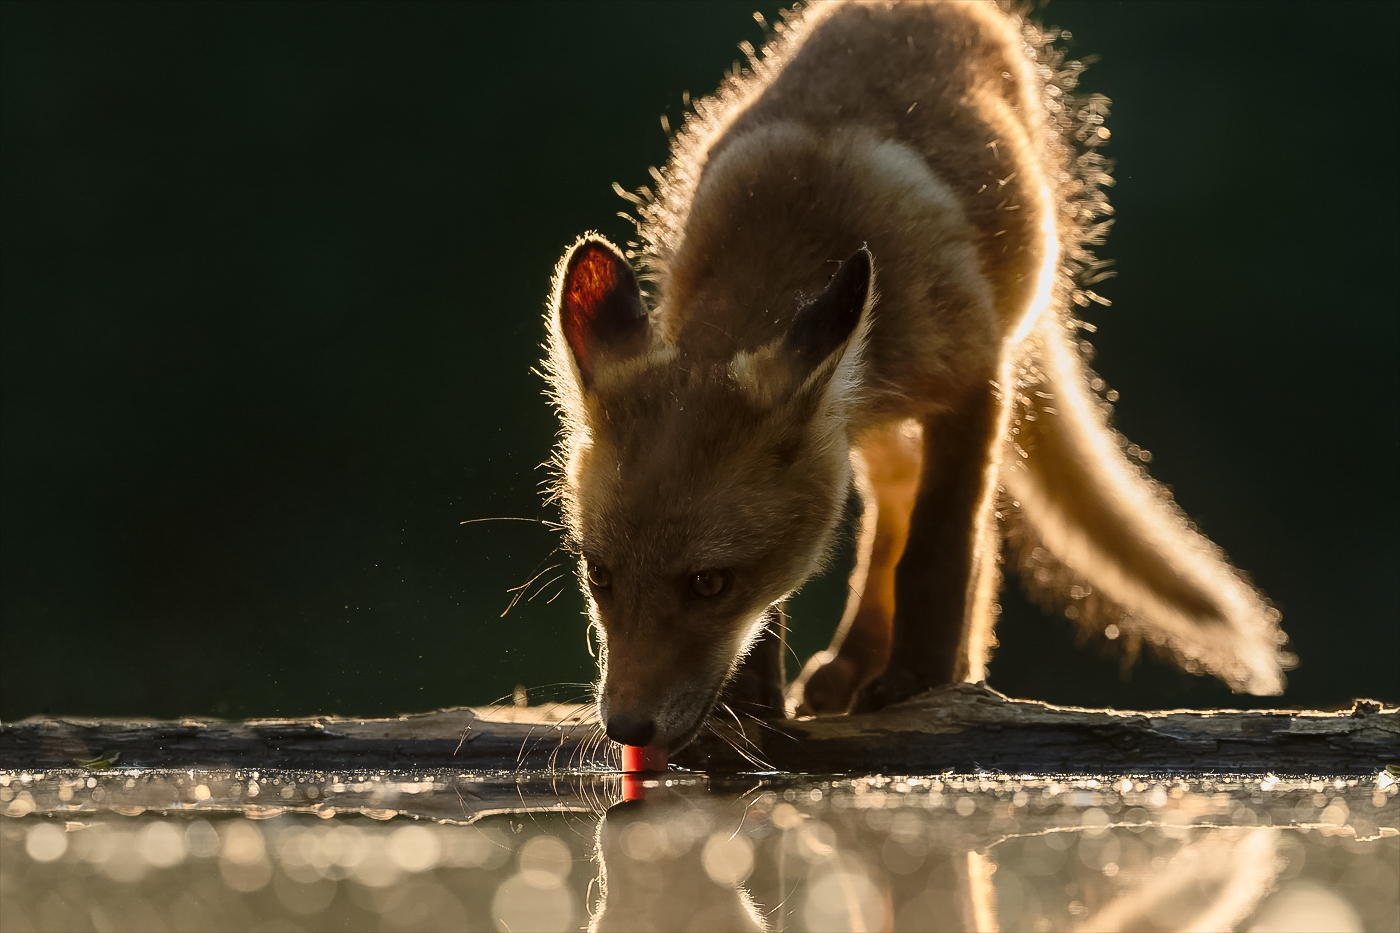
x=271, y=283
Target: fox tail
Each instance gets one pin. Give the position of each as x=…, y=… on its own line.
x=1104, y=543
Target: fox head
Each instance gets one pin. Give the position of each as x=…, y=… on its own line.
x=698, y=488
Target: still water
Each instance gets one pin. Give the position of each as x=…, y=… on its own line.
x=158, y=850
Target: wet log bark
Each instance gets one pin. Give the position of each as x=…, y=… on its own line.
x=964, y=728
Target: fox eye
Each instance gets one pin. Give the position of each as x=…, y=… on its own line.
x=598, y=575
x=707, y=583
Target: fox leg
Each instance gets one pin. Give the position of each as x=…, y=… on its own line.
x=946, y=581
x=887, y=476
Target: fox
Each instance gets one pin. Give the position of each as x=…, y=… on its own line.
x=860, y=269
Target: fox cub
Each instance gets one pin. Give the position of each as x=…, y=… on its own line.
x=860, y=265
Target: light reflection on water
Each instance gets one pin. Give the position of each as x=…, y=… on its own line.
x=429, y=850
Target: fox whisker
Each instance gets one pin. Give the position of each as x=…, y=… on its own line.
x=716, y=730
x=519, y=591
x=513, y=518
x=762, y=723
x=544, y=586
x=522, y=586
x=752, y=758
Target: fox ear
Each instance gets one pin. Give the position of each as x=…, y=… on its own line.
x=826, y=326
x=599, y=305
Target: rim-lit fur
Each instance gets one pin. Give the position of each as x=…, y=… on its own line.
x=943, y=138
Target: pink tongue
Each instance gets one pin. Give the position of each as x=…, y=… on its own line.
x=643, y=758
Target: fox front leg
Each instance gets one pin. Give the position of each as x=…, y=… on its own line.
x=886, y=465
x=945, y=583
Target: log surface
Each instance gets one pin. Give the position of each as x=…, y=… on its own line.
x=967, y=727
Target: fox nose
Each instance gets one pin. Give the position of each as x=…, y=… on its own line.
x=631, y=728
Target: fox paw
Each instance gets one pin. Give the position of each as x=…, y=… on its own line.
x=827, y=684
x=894, y=685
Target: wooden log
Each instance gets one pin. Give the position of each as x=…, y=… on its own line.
x=964, y=728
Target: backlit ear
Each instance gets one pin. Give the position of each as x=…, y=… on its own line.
x=823, y=329
x=599, y=306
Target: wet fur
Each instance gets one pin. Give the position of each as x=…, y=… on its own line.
x=945, y=139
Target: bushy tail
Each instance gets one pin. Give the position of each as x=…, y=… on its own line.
x=1106, y=544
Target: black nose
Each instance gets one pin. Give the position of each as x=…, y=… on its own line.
x=631, y=729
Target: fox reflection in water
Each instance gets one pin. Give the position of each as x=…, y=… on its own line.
x=673, y=862
x=644, y=886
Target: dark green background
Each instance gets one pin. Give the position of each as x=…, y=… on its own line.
x=272, y=278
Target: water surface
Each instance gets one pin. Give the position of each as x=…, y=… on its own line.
x=145, y=849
